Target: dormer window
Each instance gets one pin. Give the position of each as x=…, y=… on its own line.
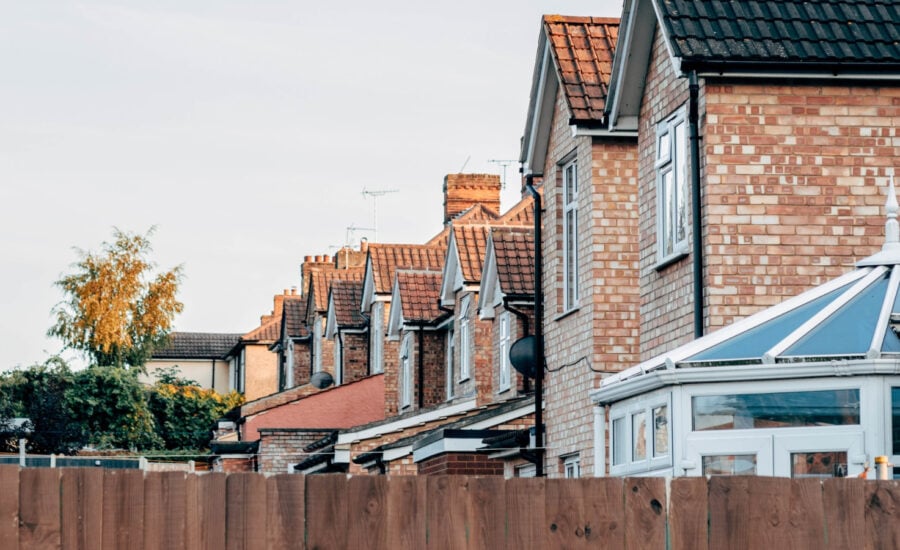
x=465, y=339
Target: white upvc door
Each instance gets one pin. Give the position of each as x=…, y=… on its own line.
x=711, y=453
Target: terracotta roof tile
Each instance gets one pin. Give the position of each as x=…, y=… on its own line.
x=268, y=331
x=583, y=49
x=347, y=296
x=419, y=294
x=387, y=258
x=474, y=214
x=294, y=316
x=321, y=284
x=514, y=250
x=471, y=241
x=197, y=345
x=521, y=213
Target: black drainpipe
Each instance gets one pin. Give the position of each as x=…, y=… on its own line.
x=340, y=365
x=693, y=129
x=538, y=331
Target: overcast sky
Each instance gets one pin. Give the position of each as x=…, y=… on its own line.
x=246, y=133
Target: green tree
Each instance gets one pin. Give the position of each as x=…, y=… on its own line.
x=115, y=310
x=111, y=406
x=186, y=413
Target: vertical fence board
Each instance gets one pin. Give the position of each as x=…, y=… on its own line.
x=406, y=511
x=882, y=514
x=81, y=508
x=447, y=504
x=366, y=529
x=728, y=512
x=286, y=512
x=806, y=515
x=525, y=518
x=645, y=512
x=326, y=511
x=205, y=521
x=844, y=501
x=605, y=501
x=689, y=514
x=9, y=507
x=769, y=502
x=563, y=508
x=245, y=511
x=165, y=504
x=39, y=508
x=487, y=512
x=123, y=510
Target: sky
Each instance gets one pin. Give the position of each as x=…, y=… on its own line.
x=245, y=133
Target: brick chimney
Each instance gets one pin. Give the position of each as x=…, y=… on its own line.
x=462, y=191
x=347, y=257
x=310, y=264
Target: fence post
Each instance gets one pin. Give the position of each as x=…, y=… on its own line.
x=22, y=452
x=52, y=460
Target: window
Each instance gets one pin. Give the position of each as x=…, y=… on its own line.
x=729, y=465
x=451, y=354
x=376, y=332
x=571, y=466
x=317, y=346
x=406, y=372
x=526, y=470
x=776, y=410
x=238, y=379
x=289, y=374
x=671, y=187
x=465, y=339
x=505, y=369
x=338, y=361
x=619, y=456
x=641, y=438
x=661, y=431
x=570, y=235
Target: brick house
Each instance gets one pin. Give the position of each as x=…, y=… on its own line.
x=199, y=356
x=763, y=128
x=321, y=347
x=293, y=344
x=588, y=181
x=346, y=327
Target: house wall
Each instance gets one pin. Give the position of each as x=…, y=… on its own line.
x=790, y=174
x=601, y=334
x=281, y=448
x=198, y=370
x=480, y=383
x=434, y=367
x=302, y=367
x=517, y=329
x=461, y=464
x=355, y=356
x=391, y=364
x=261, y=371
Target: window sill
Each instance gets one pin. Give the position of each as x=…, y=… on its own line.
x=503, y=390
x=669, y=260
x=565, y=314
x=461, y=380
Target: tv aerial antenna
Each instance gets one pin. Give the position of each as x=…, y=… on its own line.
x=504, y=163
x=351, y=229
x=375, y=195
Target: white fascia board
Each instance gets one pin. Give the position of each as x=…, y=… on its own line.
x=315, y=468
x=744, y=373
x=873, y=77
x=692, y=348
x=395, y=453
x=368, y=292
x=632, y=58
x=543, y=100
x=488, y=281
x=884, y=317
x=403, y=423
x=341, y=454
x=448, y=445
x=330, y=318
x=578, y=131
x=395, y=317
x=502, y=418
x=676, y=61
x=451, y=273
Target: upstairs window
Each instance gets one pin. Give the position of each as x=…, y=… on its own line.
x=504, y=344
x=570, y=235
x=671, y=187
x=406, y=372
x=451, y=357
x=376, y=333
x=465, y=339
x=317, y=346
x=338, y=361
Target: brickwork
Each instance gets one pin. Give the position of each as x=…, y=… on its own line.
x=354, y=356
x=789, y=175
x=461, y=464
x=302, y=370
x=231, y=465
x=280, y=448
x=479, y=384
x=602, y=332
x=517, y=329
x=462, y=191
x=391, y=365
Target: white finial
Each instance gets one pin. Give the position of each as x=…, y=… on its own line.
x=892, y=227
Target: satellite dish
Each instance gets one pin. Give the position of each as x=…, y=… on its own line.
x=521, y=355
x=321, y=380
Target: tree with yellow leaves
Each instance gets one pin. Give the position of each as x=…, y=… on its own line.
x=115, y=310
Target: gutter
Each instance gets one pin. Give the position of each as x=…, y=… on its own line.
x=694, y=138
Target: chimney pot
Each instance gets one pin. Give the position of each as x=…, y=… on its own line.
x=307, y=259
x=318, y=258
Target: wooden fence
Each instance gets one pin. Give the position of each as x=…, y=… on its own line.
x=133, y=510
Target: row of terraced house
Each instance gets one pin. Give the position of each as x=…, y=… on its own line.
x=697, y=166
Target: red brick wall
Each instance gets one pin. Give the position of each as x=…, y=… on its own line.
x=461, y=464
x=302, y=369
x=280, y=448
x=462, y=191
x=480, y=383
x=355, y=355
x=232, y=465
x=603, y=332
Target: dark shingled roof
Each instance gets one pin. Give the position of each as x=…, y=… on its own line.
x=294, y=317
x=828, y=32
x=197, y=345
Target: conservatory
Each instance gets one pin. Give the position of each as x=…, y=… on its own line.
x=807, y=388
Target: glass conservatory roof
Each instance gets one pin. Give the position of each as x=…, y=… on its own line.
x=855, y=316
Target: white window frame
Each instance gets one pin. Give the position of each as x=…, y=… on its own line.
x=465, y=339
x=406, y=359
x=338, y=360
x=289, y=366
x=571, y=466
x=526, y=470
x=503, y=345
x=317, y=345
x=376, y=333
x=451, y=357
x=627, y=411
x=570, y=234
x=672, y=188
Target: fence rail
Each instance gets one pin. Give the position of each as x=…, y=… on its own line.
x=79, y=508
